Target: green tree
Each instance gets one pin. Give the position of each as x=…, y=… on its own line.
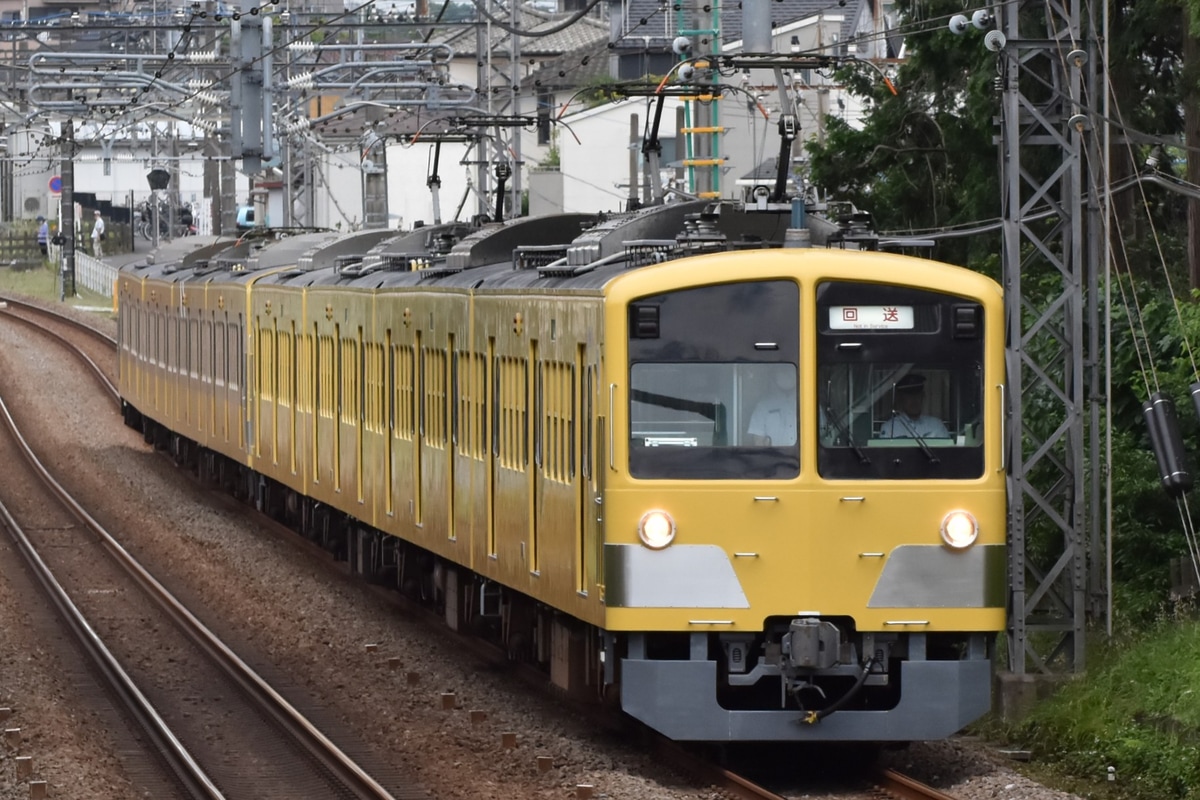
x=925, y=157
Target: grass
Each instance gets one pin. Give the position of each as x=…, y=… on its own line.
x=45, y=284
x=1136, y=711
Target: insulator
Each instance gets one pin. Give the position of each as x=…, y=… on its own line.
x=203, y=57
x=1167, y=442
x=306, y=46
x=209, y=98
x=302, y=81
x=1195, y=388
x=297, y=125
x=204, y=124
x=198, y=84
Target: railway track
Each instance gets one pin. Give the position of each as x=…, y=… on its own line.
x=96, y=350
x=220, y=729
x=897, y=786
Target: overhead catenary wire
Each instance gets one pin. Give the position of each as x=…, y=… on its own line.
x=1135, y=315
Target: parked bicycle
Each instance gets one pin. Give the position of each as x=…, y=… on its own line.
x=183, y=224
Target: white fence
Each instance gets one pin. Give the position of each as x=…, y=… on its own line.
x=90, y=272
x=94, y=274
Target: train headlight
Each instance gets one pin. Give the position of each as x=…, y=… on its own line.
x=656, y=529
x=959, y=529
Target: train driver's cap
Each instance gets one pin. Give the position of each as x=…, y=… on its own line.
x=911, y=383
x=41, y=218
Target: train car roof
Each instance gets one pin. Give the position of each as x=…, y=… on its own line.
x=179, y=253
x=286, y=251
x=561, y=252
x=247, y=257
x=350, y=248
x=368, y=253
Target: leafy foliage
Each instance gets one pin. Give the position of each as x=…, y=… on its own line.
x=925, y=157
x=1153, y=336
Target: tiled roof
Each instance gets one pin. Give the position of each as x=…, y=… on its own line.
x=571, y=69
x=585, y=33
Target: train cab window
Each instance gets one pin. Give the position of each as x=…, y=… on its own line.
x=713, y=383
x=899, y=386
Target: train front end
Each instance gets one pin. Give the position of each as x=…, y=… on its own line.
x=793, y=550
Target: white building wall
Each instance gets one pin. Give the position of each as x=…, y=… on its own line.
x=337, y=190
x=126, y=172
x=594, y=148
x=409, y=196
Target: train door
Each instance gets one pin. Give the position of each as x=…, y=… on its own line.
x=319, y=401
x=360, y=375
x=390, y=428
x=256, y=385
x=221, y=379
x=293, y=395
x=536, y=473
x=602, y=460
x=201, y=386
x=451, y=396
x=174, y=339
x=339, y=399
x=156, y=361
x=491, y=390
x=185, y=369
x=211, y=394
x=419, y=438
x=229, y=353
x=273, y=377
x=242, y=334
x=558, y=487
x=581, y=470
x=193, y=374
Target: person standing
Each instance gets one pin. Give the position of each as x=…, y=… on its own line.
x=43, y=236
x=98, y=235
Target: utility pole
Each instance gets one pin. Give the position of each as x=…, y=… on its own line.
x=68, y=217
x=251, y=106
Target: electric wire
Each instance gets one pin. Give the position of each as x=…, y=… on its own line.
x=1134, y=312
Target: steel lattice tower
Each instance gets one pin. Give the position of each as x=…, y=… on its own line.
x=1048, y=161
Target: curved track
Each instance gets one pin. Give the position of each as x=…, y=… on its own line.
x=235, y=731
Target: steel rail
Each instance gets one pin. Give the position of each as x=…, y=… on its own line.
x=270, y=702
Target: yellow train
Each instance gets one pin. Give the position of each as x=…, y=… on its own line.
x=755, y=492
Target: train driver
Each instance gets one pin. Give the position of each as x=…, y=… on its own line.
x=773, y=421
x=908, y=421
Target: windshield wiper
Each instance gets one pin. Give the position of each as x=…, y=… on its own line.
x=844, y=431
x=926, y=449
x=708, y=410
